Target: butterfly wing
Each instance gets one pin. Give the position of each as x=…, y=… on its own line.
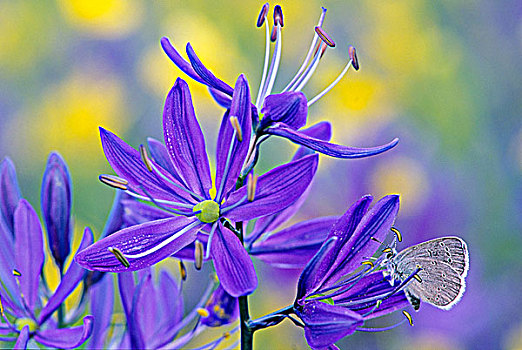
x=452, y=250
x=440, y=284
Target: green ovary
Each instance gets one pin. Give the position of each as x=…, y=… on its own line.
x=21, y=322
x=209, y=211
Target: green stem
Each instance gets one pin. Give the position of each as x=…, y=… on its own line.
x=247, y=334
x=61, y=314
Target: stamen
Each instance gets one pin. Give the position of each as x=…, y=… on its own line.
x=330, y=87
x=262, y=15
x=309, y=55
x=226, y=335
x=145, y=158
x=157, y=201
x=362, y=329
x=164, y=243
x=353, y=57
x=182, y=270
x=17, y=273
x=387, y=250
x=202, y=312
x=235, y=124
x=369, y=263
x=233, y=206
x=376, y=240
x=311, y=69
x=324, y=36
x=251, y=187
x=209, y=241
x=2, y=308
x=397, y=233
x=408, y=316
x=274, y=65
x=278, y=16
x=198, y=255
x=114, y=181
x=265, y=66
x=418, y=278
x=273, y=34
x=227, y=168
x=119, y=255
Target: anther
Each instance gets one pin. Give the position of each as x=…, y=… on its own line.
x=17, y=273
x=2, y=308
x=262, y=15
x=226, y=335
x=182, y=271
x=251, y=187
x=202, y=312
x=273, y=34
x=387, y=250
x=408, y=317
x=369, y=263
x=235, y=124
x=353, y=56
x=198, y=255
x=418, y=278
x=397, y=233
x=376, y=240
x=324, y=36
x=119, y=255
x=145, y=157
x=278, y=16
x=114, y=181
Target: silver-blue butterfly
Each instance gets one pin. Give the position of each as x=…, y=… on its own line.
x=444, y=264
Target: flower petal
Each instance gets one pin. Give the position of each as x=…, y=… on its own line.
x=179, y=61
x=142, y=312
x=321, y=130
x=325, y=324
x=66, y=338
x=171, y=299
x=234, y=267
x=29, y=251
x=23, y=338
x=206, y=74
x=376, y=224
x=9, y=192
x=221, y=99
x=289, y=108
x=126, y=287
x=150, y=242
x=294, y=246
x=136, y=213
x=184, y=139
x=102, y=300
x=330, y=149
x=69, y=281
x=127, y=163
x=160, y=154
x=56, y=199
x=276, y=190
x=7, y=263
x=230, y=152
x=222, y=309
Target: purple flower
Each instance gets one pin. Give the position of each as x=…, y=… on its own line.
x=222, y=309
x=177, y=179
x=285, y=113
x=56, y=199
x=340, y=287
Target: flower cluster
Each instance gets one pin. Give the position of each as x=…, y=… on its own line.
x=168, y=205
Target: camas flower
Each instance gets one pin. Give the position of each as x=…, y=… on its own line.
x=24, y=317
x=282, y=114
x=177, y=178
x=341, y=288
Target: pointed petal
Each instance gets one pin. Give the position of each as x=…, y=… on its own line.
x=7, y=263
x=314, y=272
x=325, y=324
x=127, y=163
x=276, y=190
x=171, y=299
x=155, y=240
x=221, y=99
x=136, y=213
x=209, y=77
x=126, y=287
x=330, y=149
x=376, y=223
x=294, y=246
x=228, y=146
x=23, y=338
x=139, y=312
x=179, y=61
x=233, y=266
x=102, y=301
x=56, y=199
x=160, y=154
x=29, y=253
x=9, y=192
x=184, y=139
x=66, y=338
x=289, y=108
x=321, y=130
x=70, y=280
x=115, y=220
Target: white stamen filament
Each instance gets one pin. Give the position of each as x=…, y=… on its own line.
x=162, y=244
x=311, y=69
x=274, y=65
x=330, y=87
x=265, y=66
x=217, y=199
x=308, y=55
x=162, y=201
x=233, y=206
x=209, y=242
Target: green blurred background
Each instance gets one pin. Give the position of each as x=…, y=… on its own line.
x=443, y=76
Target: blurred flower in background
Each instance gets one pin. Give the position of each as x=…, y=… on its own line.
x=444, y=77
